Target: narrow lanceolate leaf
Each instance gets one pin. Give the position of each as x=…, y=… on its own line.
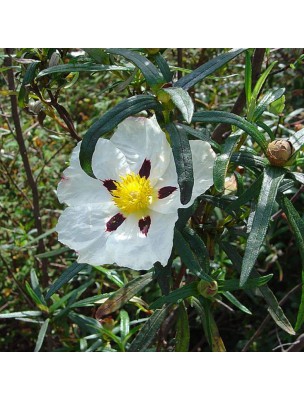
x=298, y=176
x=198, y=247
x=35, y=285
x=297, y=226
x=297, y=140
x=267, y=99
x=148, y=331
x=123, y=295
x=248, y=78
x=234, y=284
x=202, y=134
x=108, y=122
x=271, y=182
x=67, y=68
x=249, y=160
x=67, y=275
x=41, y=335
x=164, y=67
x=21, y=314
x=183, y=161
x=222, y=161
x=232, y=119
x=236, y=302
x=182, y=338
x=152, y=75
x=188, y=257
x=182, y=100
x=40, y=303
x=176, y=295
x=29, y=76
x=207, y=69
x=274, y=309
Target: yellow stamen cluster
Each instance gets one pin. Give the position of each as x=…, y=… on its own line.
x=133, y=193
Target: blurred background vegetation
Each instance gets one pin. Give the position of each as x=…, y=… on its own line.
x=81, y=98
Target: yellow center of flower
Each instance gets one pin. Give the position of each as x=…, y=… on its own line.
x=133, y=193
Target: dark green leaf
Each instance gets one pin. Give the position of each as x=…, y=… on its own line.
x=152, y=75
x=183, y=161
x=41, y=335
x=267, y=99
x=123, y=295
x=176, y=295
x=202, y=134
x=36, y=286
x=297, y=226
x=67, y=275
x=184, y=250
x=148, y=331
x=164, y=67
x=248, y=160
x=232, y=119
x=182, y=101
x=182, y=338
x=236, y=303
x=29, y=76
x=207, y=69
x=271, y=181
x=86, y=324
x=21, y=314
x=98, y=55
x=298, y=176
x=40, y=303
x=297, y=140
x=222, y=161
x=124, y=324
x=108, y=122
x=198, y=247
x=248, y=77
x=67, y=68
x=234, y=284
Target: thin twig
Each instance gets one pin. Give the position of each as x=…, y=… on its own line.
x=27, y=167
x=267, y=319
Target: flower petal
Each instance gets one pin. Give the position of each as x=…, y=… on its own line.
x=83, y=228
x=142, y=138
x=134, y=249
x=77, y=188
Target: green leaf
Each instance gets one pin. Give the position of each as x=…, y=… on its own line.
x=183, y=161
x=271, y=182
x=297, y=140
x=298, y=176
x=248, y=77
x=202, y=134
x=182, y=101
x=28, y=78
x=36, y=286
x=176, y=295
x=86, y=324
x=124, y=324
x=184, y=250
x=21, y=314
x=164, y=67
x=111, y=275
x=257, y=89
x=234, y=284
x=182, y=338
x=67, y=275
x=53, y=253
x=148, y=331
x=198, y=247
x=248, y=160
x=123, y=295
x=37, y=300
x=207, y=69
x=41, y=334
x=232, y=119
x=222, y=161
x=236, y=303
x=98, y=55
x=274, y=309
x=108, y=122
x=267, y=99
x=68, y=68
x=152, y=75
x=297, y=226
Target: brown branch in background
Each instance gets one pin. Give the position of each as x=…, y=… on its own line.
x=179, y=62
x=267, y=319
x=223, y=130
x=26, y=164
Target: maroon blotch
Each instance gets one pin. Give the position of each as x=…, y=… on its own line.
x=145, y=169
x=109, y=184
x=144, y=225
x=115, y=222
x=166, y=191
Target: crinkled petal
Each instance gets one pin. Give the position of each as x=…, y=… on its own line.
x=76, y=187
x=142, y=138
x=133, y=249
x=83, y=229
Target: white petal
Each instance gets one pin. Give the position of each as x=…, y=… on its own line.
x=76, y=187
x=142, y=138
x=108, y=161
x=203, y=158
x=130, y=248
x=83, y=228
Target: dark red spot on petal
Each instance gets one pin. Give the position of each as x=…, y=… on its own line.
x=115, y=222
x=166, y=85
x=144, y=225
x=64, y=178
x=166, y=191
x=109, y=184
x=145, y=169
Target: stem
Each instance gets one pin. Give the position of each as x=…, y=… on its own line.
x=26, y=164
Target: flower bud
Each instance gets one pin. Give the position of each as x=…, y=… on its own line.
x=207, y=289
x=279, y=151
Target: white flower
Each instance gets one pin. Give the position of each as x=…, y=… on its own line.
x=127, y=215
